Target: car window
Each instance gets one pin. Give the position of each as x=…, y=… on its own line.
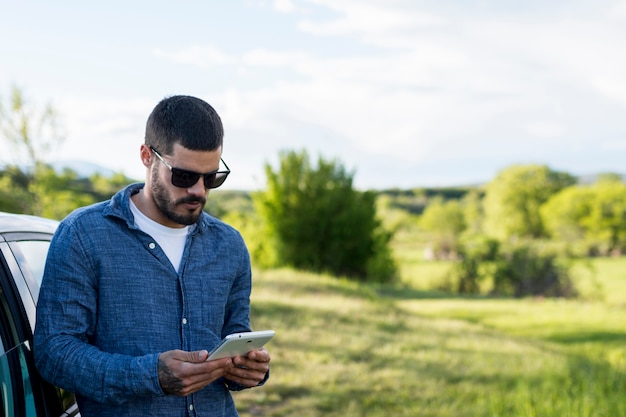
x=16, y=391
x=34, y=253
x=15, y=387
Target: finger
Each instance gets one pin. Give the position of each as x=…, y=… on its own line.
x=191, y=377
x=249, y=365
x=246, y=377
x=206, y=375
x=196, y=356
x=259, y=362
x=260, y=355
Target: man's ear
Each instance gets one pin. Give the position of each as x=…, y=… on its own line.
x=146, y=155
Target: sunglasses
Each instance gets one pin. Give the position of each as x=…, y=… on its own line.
x=185, y=179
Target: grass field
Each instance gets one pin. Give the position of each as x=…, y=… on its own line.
x=344, y=349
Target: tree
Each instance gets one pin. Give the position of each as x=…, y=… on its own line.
x=606, y=223
x=317, y=221
x=59, y=194
x=31, y=133
x=445, y=221
x=564, y=212
x=473, y=212
x=594, y=215
x=513, y=199
x=14, y=195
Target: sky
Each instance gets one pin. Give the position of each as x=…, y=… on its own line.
x=403, y=93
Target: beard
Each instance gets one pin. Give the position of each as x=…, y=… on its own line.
x=162, y=199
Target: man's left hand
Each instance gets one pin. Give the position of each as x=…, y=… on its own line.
x=250, y=370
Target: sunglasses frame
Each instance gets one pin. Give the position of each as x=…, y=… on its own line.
x=219, y=177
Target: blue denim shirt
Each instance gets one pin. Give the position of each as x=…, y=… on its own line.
x=111, y=301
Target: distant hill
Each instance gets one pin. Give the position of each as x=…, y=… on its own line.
x=84, y=169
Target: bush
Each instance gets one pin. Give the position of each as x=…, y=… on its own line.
x=524, y=270
x=477, y=254
x=318, y=222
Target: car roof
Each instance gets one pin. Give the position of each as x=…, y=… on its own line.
x=11, y=222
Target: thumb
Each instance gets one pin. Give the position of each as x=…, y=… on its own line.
x=196, y=356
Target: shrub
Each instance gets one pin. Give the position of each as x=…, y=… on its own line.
x=523, y=270
x=318, y=222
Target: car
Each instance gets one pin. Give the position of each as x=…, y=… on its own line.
x=24, y=243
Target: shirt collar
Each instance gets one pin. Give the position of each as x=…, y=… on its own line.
x=119, y=207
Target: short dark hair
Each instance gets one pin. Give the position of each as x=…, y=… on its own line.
x=186, y=120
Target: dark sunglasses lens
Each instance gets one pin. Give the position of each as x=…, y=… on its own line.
x=217, y=179
x=209, y=180
x=184, y=179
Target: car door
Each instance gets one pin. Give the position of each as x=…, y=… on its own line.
x=23, y=392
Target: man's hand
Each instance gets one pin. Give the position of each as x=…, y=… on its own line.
x=183, y=373
x=250, y=370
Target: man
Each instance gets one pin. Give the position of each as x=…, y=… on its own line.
x=137, y=289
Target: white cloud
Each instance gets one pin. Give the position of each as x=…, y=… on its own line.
x=618, y=12
x=422, y=84
x=544, y=130
x=202, y=56
x=435, y=86
x=270, y=58
x=370, y=19
x=284, y=6
x=107, y=132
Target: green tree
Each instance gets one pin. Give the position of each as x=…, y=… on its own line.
x=14, y=195
x=317, y=221
x=59, y=194
x=594, y=215
x=102, y=187
x=513, y=199
x=444, y=221
x=31, y=133
x=564, y=213
x=473, y=214
x=606, y=223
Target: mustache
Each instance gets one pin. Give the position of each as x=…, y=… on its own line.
x=191, y=199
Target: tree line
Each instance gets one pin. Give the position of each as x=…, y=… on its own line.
x=521, y=230
x=310, y=217
x=534, y=202
x=514, y=231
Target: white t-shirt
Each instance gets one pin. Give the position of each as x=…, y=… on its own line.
x=172, y=240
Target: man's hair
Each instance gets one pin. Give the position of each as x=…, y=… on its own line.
x=186, y=120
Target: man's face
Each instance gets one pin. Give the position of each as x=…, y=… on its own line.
x=181, y=206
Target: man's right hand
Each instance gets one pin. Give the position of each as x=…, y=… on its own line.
x=183, y=373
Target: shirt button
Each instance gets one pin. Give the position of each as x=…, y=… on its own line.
x=184, y=321
x=190, y=407
x=152, y=245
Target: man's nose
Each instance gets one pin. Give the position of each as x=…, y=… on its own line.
x=198, y=188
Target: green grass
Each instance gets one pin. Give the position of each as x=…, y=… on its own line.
x=344, y=349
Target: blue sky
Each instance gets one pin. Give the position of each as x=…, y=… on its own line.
x=405, y=93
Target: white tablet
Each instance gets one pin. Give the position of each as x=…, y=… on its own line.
x=240, y=344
